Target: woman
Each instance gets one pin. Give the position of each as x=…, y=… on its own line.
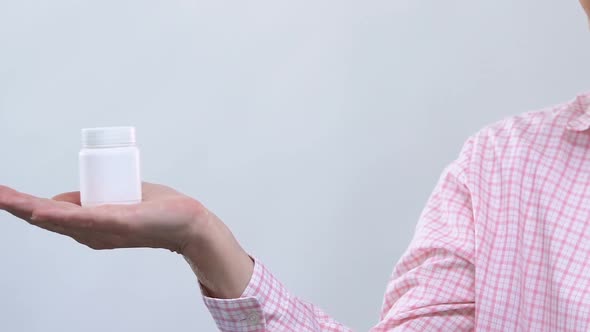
x=502, y=244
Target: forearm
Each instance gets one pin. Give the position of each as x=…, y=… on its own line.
x=241, y=294
x=267, y=305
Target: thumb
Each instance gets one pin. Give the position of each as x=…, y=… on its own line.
x=71, y=197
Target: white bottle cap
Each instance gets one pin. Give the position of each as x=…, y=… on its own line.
x=108, y=137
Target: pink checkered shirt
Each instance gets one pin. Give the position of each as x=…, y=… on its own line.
x=503, y=243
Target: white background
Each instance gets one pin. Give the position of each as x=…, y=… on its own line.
x=315, y=129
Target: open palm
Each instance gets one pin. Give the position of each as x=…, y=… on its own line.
x=165, y=218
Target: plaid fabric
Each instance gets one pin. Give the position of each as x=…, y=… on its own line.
x=502, y=245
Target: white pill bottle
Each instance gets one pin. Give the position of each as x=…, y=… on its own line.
x=109, y=167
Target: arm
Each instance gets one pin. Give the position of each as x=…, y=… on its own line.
x=256, y=301
x=432, y=287
x=170, y=220
x=266, y=305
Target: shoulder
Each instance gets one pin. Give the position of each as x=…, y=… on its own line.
x=549, y=121
x=516, y=138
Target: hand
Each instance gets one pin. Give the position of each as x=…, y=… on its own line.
x=165, y=219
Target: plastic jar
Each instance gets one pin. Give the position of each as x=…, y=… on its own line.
x=109, y=167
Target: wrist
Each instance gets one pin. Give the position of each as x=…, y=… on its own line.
x=223, y=268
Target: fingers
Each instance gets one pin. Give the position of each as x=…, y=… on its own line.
x=70, y=197
x=107, y=218
x=18, y=204
x=9, y=197
x=93, y=240
x=102, y=227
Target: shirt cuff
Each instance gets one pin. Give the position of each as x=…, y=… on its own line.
x=263, y=302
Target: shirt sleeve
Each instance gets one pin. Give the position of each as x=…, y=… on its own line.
x=431, y=288
x=266, y=305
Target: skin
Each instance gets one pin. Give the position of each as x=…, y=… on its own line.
x=586, y=6
x=165, y=219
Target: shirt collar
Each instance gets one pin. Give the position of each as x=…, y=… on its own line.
x=579, y=120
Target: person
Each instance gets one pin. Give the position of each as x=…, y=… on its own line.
x=503, y=243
